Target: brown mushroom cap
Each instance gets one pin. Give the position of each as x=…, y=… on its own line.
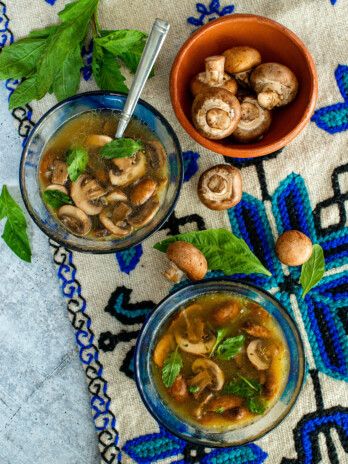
x=215, y=113
x=143, y=215
x=224, y=312
x=142, y=191
x=74, y=219
x=84, y=191
x=165, y=346
x=113, y=219
x=59, y=173
x=59, y=187
x=98, y=140
x=116, y=195
x=241, y=58
x=275, y=84
x=254, y=122
x=226, y=402
x=132, y=169
x=220, y=187
x=258, y=355
x=213, y=76
x=293, y=248
x=188, y=259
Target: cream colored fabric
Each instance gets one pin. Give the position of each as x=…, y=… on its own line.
x=314, y=154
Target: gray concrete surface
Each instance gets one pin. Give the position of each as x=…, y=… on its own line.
x=45, y=415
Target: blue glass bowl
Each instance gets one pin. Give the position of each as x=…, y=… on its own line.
x=48, y=126
x=188, y=431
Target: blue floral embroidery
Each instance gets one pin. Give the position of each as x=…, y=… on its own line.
x=334, y=118
x=129, y=259
x=153, y=447
x=333, y=2
x=209, y=13
x=51, y=2
x=86, y=54
x=190, y=164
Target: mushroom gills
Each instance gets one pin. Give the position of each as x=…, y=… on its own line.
x=155, y=153
x=207, y=374
x=74, y=219
x=144, y=213
x=82, y=189
x=258, y=355
x=113, y=218
x=130, y=172
x=203, y=346
x=254, y=122
x=59, y=172
x=58, y=187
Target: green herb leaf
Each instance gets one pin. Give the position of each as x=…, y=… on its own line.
x=220, y=410
x=244, y=387
x=256, y=406
x=171, y=368
x=230, y=347
x=56, y=198
x=121, y=148
x=193, y=388
x=312, y=270
x=15, y=231
x=24, y=93
x=222, y=250
x=67, y=80
x=132, y=58
x=220, y=335
x=106, y=71
x=117, y=42
x=43, y=33
x=76, y=160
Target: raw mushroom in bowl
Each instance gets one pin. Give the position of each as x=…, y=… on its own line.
x=214, y=76
x=240, y=61
x=254, y=122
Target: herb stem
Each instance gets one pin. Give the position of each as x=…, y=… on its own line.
x=247, y=382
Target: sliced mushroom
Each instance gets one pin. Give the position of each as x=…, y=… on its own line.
x=74, y=219
x=224, y=312
x=59, y=173
x=155, y=152
x=240, y=61
x=271, y=385
x=275, y=85
x=195, y=329
x=237, y=414
x=144, y=213
x=220, y=187
x=179, y=390
x=256, y=330
x=259, y=355
x=84, y=191
x=254, y=123
x=59, y=187
x=142, y=191
x=198, y=412
x=116, y=195
x=98, y=140
x=133, y=170
x=202, y=346
x=214, y=76
x=225, y=402
x=215, y=113
x=208, y=374
x=113, y=219
x=185, y=258
x=165, y=346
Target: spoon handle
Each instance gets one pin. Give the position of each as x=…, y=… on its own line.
x=153, y=45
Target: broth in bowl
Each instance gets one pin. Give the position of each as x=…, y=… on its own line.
x=110, y=198
x=222, y=362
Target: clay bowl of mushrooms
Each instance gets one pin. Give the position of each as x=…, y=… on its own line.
x=243, y=86
x=219, y=362
x=82, y=192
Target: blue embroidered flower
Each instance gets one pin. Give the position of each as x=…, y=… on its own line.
x=51, y=2
x=209, y=13
x=86, y=54
x=129, y=259
x=190, y=164
x=334, y=118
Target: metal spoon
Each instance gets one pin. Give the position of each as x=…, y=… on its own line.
x=153, y=45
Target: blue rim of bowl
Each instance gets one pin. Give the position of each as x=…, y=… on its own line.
x=301, y=373
x=86, y=249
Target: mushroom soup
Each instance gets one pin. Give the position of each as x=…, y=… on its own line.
x=111, y=198
x=222, y=361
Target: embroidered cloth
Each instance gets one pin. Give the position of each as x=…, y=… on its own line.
x=304, y=186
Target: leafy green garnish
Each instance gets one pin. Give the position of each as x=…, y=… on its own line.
x=56, y=198
x=15, y=231
x=312, y=270
x=220, y=410
x=76, y=160
x=193, y=388
x=222, y=250
x=256, y=406
x=49, y=60
x=171, y=367
x=250, y=389
x=121, y=148
x=230, y=347
x=220, y=335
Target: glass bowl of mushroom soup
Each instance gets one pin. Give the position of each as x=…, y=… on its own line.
x=91, y=203
x=219, y=363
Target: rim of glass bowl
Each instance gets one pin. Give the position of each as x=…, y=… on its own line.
x=301, y=355
x=86, y=249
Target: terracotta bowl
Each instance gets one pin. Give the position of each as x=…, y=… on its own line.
x=275, y=43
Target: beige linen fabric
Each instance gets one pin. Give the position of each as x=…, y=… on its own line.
x=314, y=154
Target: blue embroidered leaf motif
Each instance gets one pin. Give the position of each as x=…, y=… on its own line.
x=51, y=2
x=129, y=259
x=334, y=118
x=210, y=13
x=190, y=164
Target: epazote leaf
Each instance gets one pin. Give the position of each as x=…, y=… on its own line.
x=24, y=93
x=220, y=335
x=256, y=406
x=222, y=250
x=244, y=387
x=56, y=198
x=67, y=80
x=230, y=347
x=117, y=42
x=76, y=160
x=171, y=368
x=131, y=58
x=106, y=71
x=15, y=231
x=121, y=148
x=43, y=33
x=312, y=270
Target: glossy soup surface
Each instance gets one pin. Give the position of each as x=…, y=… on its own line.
x=75, y=133
x=197, y=325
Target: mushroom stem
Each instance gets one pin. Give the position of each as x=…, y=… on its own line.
x=269, y=99
x=173, y=273
x=214, y=69
x=200, y=380
x=218, y=119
